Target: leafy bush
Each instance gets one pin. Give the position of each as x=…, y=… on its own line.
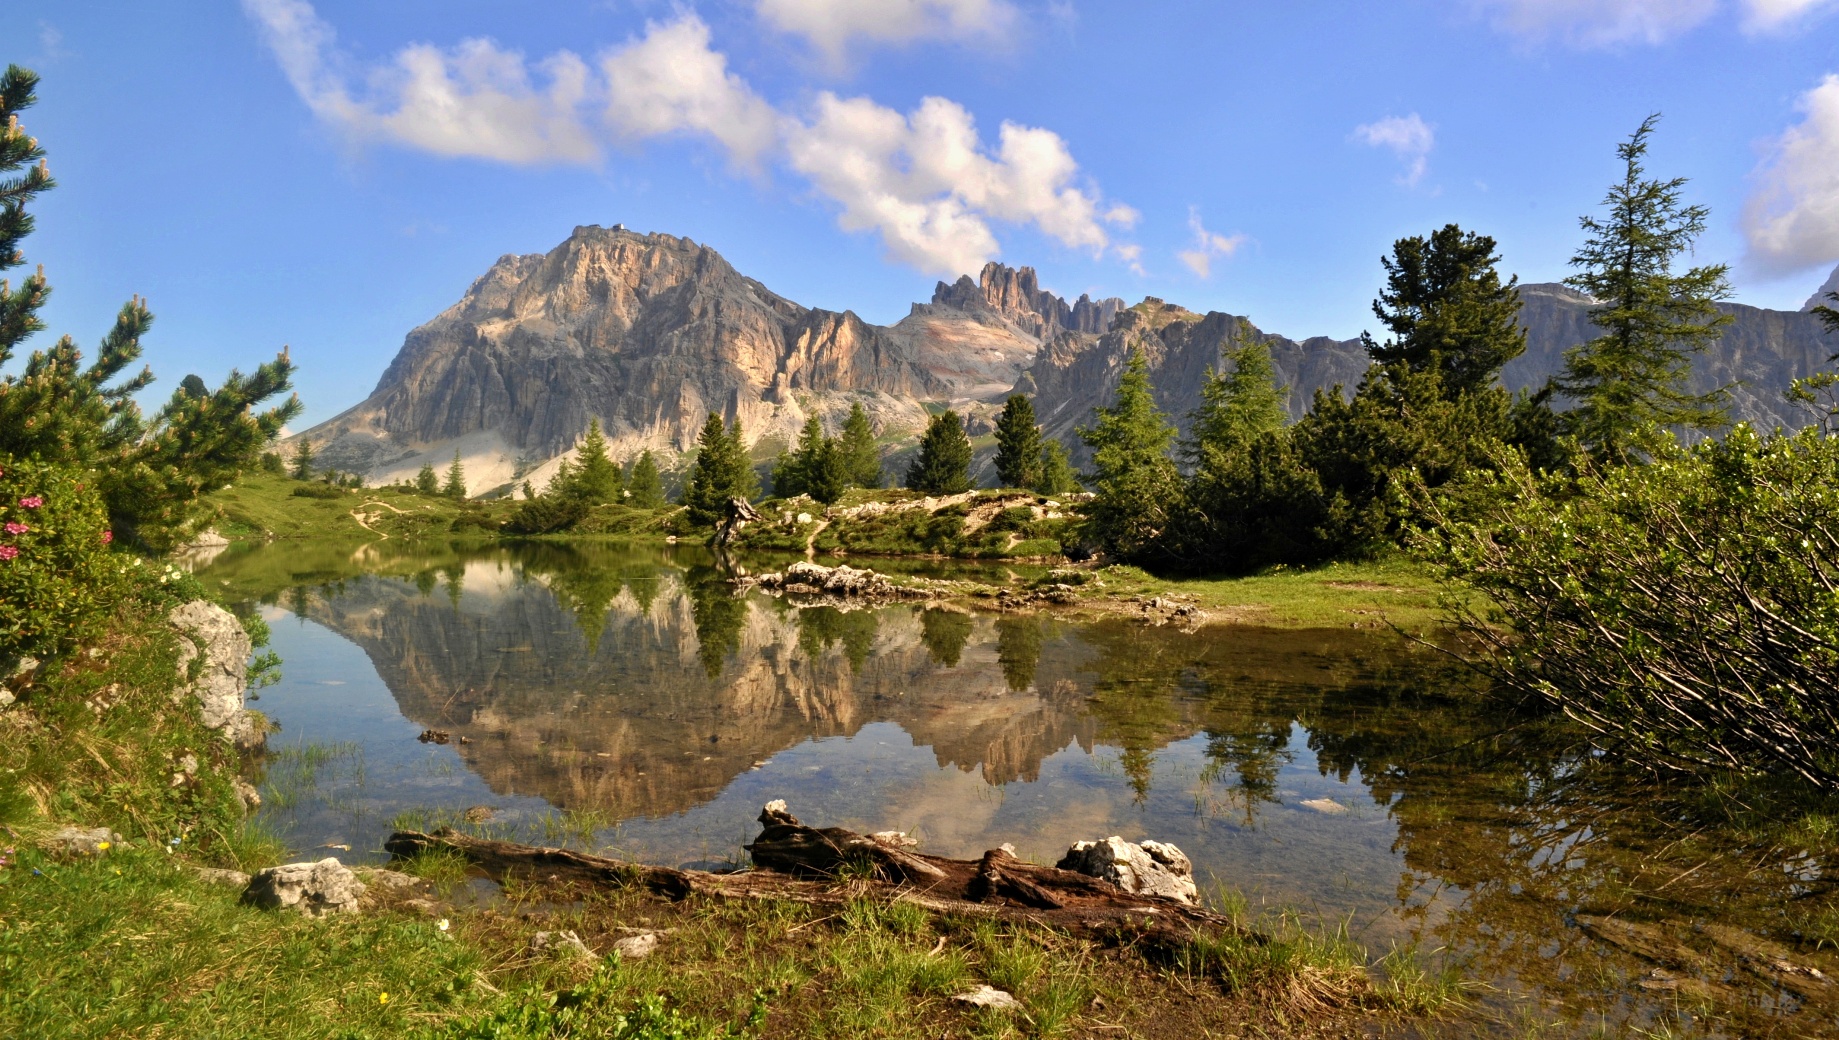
x=547, y=514
x=1686, y=610
x=318, y=491
x=58, y=578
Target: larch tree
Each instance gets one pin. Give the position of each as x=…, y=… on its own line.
x=456, y=479
x=943, y=465
x=1135, y=483
x=595, y=480
x=1018, y=444
x=861, y=460
x=1633, y=378
x=644, y=486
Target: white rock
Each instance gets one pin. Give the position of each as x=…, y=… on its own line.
x=560, y=942
x=990, y=997
x=1153, y=868
x=635, y=947
x=78, y=841
x=314, y=889
x=1325, y=805
x=212, y=637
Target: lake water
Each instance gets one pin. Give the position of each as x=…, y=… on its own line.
x=623, y=699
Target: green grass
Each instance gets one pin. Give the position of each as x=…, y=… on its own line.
x=263, y=506
x=1373, y=594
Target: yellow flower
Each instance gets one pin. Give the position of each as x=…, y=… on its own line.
x=102, y=846
x=383, y=998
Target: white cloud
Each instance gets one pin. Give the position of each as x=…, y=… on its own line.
x=1774, y=15
x=1408, y=137
x=474, y=100
x=672, y=81
x=1207, y=245
x=926, y=183
x=1792, y=217
x=1598, y=23
x=831, y=25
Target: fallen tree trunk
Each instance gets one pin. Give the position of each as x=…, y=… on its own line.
x=833, y=866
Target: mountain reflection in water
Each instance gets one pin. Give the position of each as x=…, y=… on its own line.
x=1339, y=771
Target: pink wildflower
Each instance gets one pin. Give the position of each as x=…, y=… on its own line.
x=31, y=502
x=107, y=537
x=15, y=527
x=7, y=552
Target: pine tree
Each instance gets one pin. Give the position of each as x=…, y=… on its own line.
x=793, y=474
x=596, y=480
x=1018, y=444
x=943, y=465
x=456, y=479
x=861, y=460
x=644, y=488
x=1135, y=483
x=1057, y=475
x=1633, y=377
x=721, y=472
x=153, y=473
x=1238, y=407
x=826, y=476
x=1447, y=308
x=427, y=481
x=302, y=464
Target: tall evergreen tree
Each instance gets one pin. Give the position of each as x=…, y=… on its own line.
x=301, y=465
x=152, y=473
x=861, y=460
x=1134, y=482
x=456, y=478
x=793, y=474
x=427, y=481
x=721, y=472
x=1633, y=377
x=1239, y=406
x=1447, y=308
x=1057, y=474
x=943, y=465
x=644, y=487
x=1018, y=444
x=596, y=480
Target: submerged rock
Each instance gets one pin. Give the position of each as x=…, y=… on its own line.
x=314, y=889
x=1152, y=868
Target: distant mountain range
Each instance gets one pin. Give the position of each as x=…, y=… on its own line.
x=650, y=332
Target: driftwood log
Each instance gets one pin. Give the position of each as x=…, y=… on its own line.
x=833, y=866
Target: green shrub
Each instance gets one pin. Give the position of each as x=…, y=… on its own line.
x=547, y=514
x=318, y=491
x=58, y=578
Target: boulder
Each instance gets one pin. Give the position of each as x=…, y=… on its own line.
x=1152, y=868
x=989, y=997
x=560, y=942
x=213, y=659
x=78, y=841
x=636, y=947
x=314, y=889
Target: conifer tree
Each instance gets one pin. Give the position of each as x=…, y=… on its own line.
x=1134, y=482
x=796, y=468
x=152, y=473
x=1057, y=475
x=1018, y=444
x=861, y=461
x=456, y=478
x=1447, y=308
x=595, y=480
x=1633, y=377
x=427, y=481
x=943, y=465
x=302, y=463
x=720, y=472
x=644, y=487
x=1239, y=406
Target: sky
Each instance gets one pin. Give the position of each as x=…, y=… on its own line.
x=328, y=174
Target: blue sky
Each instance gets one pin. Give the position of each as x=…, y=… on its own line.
x=331, y=174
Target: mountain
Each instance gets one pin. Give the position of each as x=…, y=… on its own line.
x=650, y=333
x=1819, y=296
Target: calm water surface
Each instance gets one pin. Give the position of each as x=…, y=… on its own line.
x=623, y=699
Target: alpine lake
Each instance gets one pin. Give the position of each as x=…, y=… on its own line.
x=623, y=699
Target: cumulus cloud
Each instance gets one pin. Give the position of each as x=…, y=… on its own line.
x=672, y=81
x=831, y=25
x=925, y=181
x=1774, y=15
x=1207, y=245
x=1408, y=137
x=927, y=184
x=1792, y=218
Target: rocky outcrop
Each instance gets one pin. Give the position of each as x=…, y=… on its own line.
x=213, y=659
x=1819, y=297
x=81, y=841
x=313, y=889
x=1152, y=868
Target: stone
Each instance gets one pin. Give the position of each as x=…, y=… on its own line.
x=1151, y=868
x=636, y=947
x=218, y=876
x=989, y=997
x=314, y=889
x=252, y=798
x=388, y=882
x=78, y=841
x=6, y=698
x=560, y=942
x=214, y=657
x=895, y=839
x=1325, y=805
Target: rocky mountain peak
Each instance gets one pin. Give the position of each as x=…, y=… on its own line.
x=1014, y=294
x=1819, y=295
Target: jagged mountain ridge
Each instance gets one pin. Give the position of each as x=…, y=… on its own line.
x=650, y=333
